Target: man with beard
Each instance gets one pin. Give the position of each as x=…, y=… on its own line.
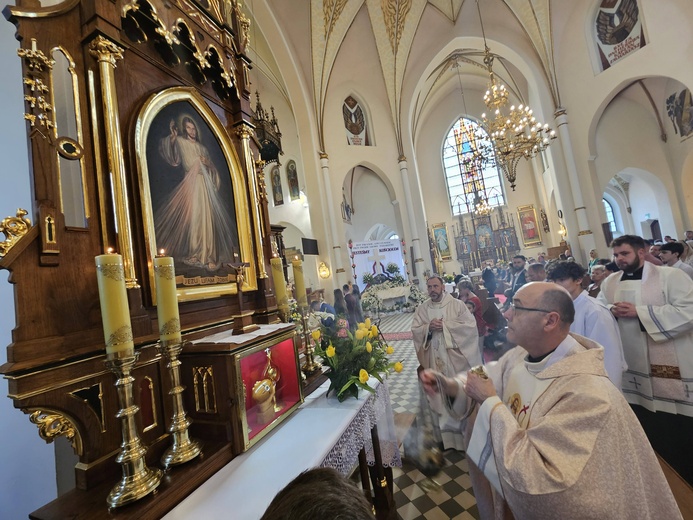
x=446, y=339
x=654, y=309
x=517, y=278
x=552, y=436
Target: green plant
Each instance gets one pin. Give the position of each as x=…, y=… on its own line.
x=354, y=358
x=368, y=278
x=392, y=268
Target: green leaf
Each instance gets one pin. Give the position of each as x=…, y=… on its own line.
x=349, y=383
x=365, y=386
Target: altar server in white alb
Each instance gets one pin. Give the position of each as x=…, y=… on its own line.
x=592, y=319
x=554, y=438
x=446, y=339
x=654, y=309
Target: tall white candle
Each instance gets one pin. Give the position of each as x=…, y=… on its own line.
x=115, y=313
x=299, y=282
x=167, y=300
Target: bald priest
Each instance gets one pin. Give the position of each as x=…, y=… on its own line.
x=553, y=437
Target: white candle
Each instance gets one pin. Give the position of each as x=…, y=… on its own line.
x=167, y=299
x=279, y=282
x=299, y=282
x=115, y=313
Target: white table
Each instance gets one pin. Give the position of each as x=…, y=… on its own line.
x=322, y=432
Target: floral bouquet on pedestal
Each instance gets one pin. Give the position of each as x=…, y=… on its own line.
x=354, y=358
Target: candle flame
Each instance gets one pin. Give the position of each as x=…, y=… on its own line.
x=109, y=251
x=162, y=252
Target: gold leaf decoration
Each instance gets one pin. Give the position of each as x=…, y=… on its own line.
x=395, y=15
x=13, y=228
x=120, y=336
x=170, y=327
x=331, y=10
x=165, y=271
x=112, y=271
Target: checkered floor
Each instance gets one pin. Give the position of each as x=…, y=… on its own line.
x=455, y=498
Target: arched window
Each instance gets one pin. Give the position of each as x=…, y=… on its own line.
x=469, y=173
x=608, y=208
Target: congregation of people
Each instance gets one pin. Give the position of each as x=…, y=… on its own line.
x=594, y=385
x=589, y=389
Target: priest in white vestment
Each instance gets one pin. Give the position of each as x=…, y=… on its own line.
x=654, y=309
x=592, y=318
x=446, y=339
x=553, y=436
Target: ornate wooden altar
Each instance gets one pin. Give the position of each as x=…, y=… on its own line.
x=483, y=238
x=109, y=86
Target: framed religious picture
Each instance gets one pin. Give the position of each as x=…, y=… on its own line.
x=484, y=236
x=440, y=237
x=276, y=182
x=292, y=179
x=527, y=217
x=194, y=201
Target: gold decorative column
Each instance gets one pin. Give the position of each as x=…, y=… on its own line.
x=243, y=132
x=107, y=53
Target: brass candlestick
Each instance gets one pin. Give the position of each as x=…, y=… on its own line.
x=138, y=479
x=310, y=366
x=183, y=447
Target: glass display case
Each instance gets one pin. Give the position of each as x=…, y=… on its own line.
x=268, y=386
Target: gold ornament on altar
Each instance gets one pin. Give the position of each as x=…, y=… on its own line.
x=265, y=391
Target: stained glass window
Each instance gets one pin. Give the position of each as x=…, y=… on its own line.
x=470, y=168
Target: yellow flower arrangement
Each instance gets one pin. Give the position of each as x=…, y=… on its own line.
x=354, y=358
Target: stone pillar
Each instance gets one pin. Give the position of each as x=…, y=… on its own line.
x=340, y=275
x=585, y=235
x=415, y=242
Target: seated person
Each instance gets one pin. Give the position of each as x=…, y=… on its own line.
x=318, y=494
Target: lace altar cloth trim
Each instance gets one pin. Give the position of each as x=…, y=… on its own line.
x=377, y=411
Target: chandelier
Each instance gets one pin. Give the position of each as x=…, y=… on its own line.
x=515, y=134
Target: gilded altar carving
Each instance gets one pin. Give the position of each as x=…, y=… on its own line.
x=203, y=387
x=14, y=228
x=53, y=424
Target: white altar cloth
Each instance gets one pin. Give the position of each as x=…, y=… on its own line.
x=320, y=433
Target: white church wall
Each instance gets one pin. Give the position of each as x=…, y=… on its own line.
x=351, y=75
x=586, y=95
x=28, y=477
x=649, y=201
x=373, y=205
x=679, y=149
x=291, y=211
x=628, y=138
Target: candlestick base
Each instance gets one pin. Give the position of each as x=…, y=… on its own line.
x=183, y=448
x=243, y=323
x=310, y=366
x=138, y=479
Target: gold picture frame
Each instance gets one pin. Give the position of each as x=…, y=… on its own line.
x=440, y=238
x=202, y=271
x=529, y=226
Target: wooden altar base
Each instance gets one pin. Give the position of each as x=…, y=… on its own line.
x=176, y=484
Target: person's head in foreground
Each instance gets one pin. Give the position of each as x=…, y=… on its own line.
x=319, y=494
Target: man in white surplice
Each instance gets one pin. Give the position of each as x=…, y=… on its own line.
x=592, y=319
x=654, y=309
x=553, y=436
x=446, y=339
